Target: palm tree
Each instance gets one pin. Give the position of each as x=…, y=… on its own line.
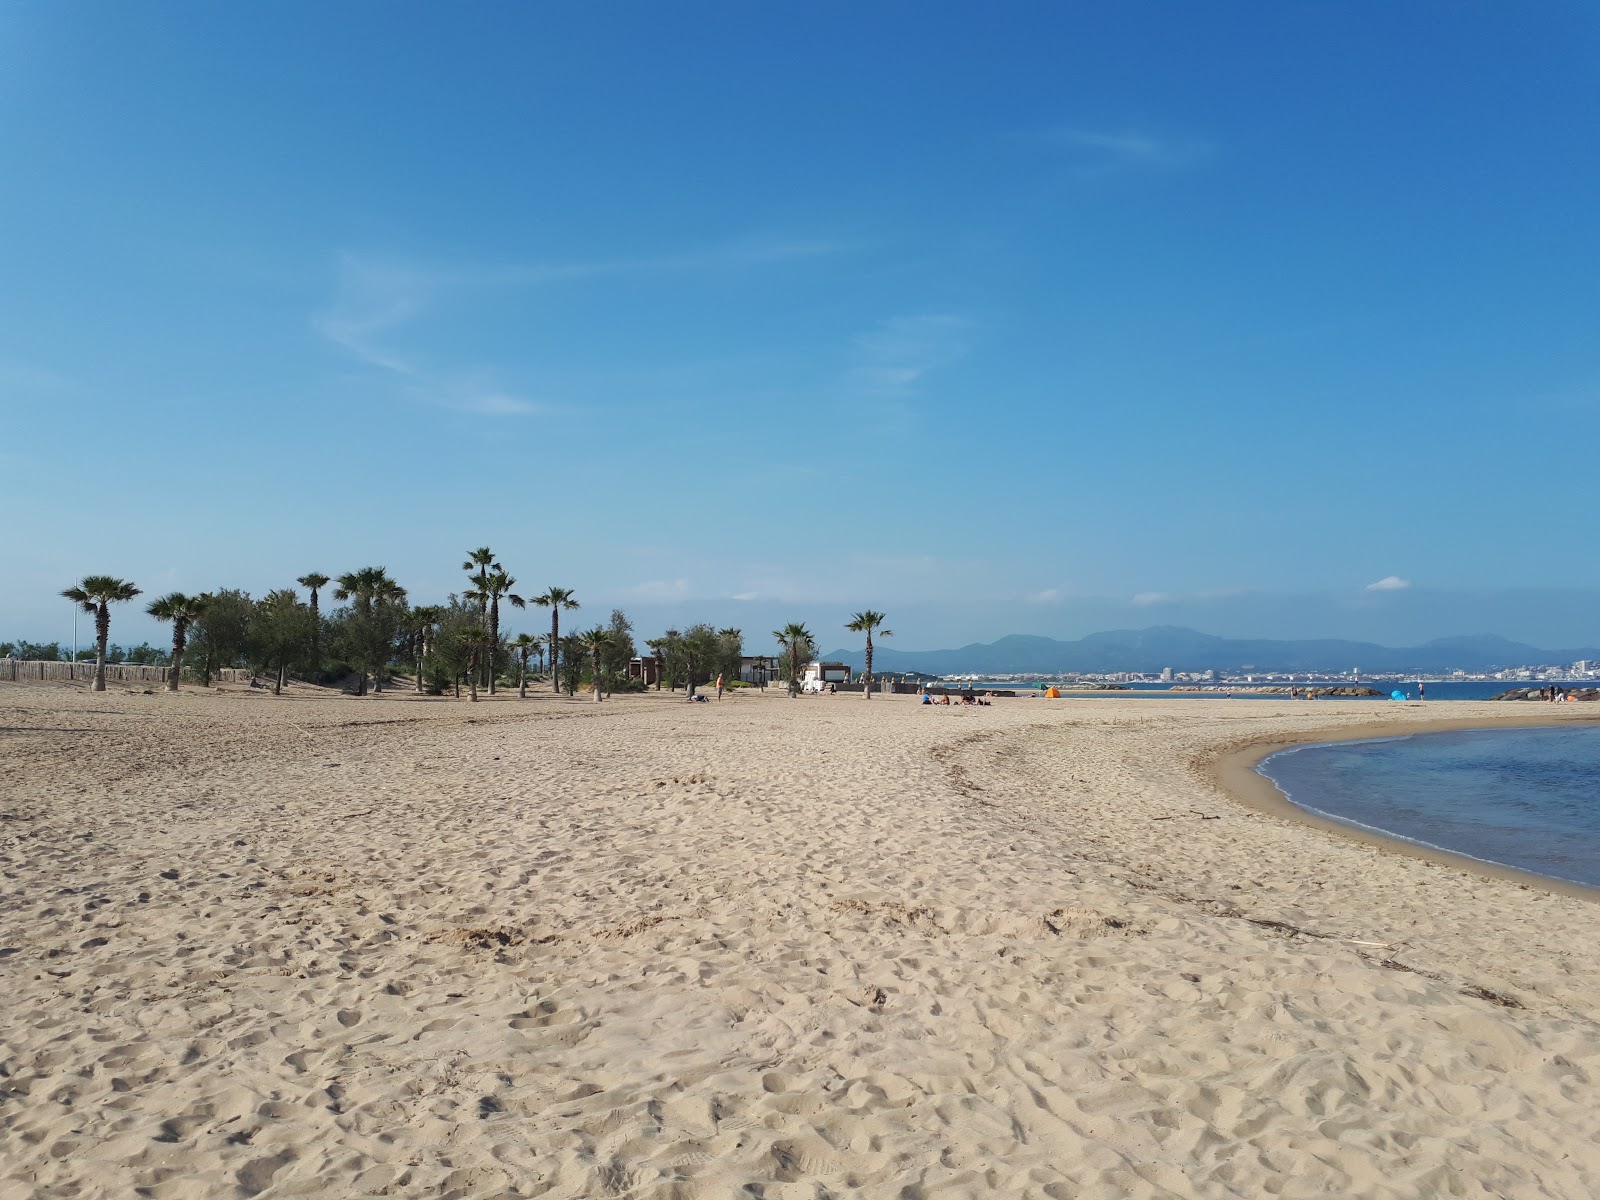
x=375, y=597
x=555, y=600
x=424, y=620
x=180, y=610
x=524, y=644
x=315, y=580
x=495, y=585
x=796, y=638
x=866, y=622
x=595, y=642
x=478, y=565
x=96, y=594
x=476, y=640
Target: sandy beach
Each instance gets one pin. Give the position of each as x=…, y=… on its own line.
x=321, y=946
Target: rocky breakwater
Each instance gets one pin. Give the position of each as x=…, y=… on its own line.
x=1544, y=693
x=1263, y=690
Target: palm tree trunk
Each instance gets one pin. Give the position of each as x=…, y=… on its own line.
x=277, y=688
x=178, y=632
x=494, y=639
x=555, y=651
x=522, y=678
x=868, y=692
x=316, y=638
x=102, y=633
x=597, y=696
x=472, y=677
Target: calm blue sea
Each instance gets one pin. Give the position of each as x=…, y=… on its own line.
x=1526, y=798
x=1470, y=689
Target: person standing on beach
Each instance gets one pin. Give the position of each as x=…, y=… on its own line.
x=1422, y=690
x=719, y=687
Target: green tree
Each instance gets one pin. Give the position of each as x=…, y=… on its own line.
x=524, y=645
x=314, y=582
x=571, y=666
x=866, y=622
x=376, y=616
x=495, y=584
x=282, y=632
x=39, y=651
x=658, y=649
x=221, y=635
x=96, y=594
x=450, y=645
x=421, y=626
x=556, y=599
x=181, y=610
x=690, y=657
x=594, y=642
x=797, y=646
x=730, y=653
x=620, y=650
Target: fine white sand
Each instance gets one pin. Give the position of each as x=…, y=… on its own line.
x=322, y=946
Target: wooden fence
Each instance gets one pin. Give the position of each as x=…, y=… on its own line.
x=15, y=670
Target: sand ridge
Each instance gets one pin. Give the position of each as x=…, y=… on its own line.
x=796, y=948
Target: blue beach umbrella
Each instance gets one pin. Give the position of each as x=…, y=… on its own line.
x=1397, y=694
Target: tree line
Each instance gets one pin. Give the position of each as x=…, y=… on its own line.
x=376, y=634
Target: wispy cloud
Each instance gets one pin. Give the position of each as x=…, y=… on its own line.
x=1047, y=596
x=1146, y=599
x=1103, y=153
x=1389, y=583
x=376, y=300
x=659, y=591
x=23, y=379
x=893, y=359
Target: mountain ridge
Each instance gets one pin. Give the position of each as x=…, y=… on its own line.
x=1160, y=646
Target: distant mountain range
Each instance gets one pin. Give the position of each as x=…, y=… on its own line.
x=1149, y=650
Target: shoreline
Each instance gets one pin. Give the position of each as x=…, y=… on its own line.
x=1233, y=770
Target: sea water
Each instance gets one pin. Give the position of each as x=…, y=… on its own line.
x=1527, y=798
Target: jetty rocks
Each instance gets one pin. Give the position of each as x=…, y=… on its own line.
x=1533, y=693
x=1297, y=690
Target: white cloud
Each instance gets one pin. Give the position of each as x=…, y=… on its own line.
x=375, y=299
x=660, y=591
x=1131, y=150
x=1047, y=596
x=497, y=404
x=892, y=360
x=1145, y=599
x=745, y=596
x=1389, y=583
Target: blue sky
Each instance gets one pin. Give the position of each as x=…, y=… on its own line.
x=1048, y=319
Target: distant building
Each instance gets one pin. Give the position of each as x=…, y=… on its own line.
x=827, y=672
x=1166, y=674
x=647, y=669
x=760, y=669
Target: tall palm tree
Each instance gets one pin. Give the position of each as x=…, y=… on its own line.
x=595, y=642
x=374, y=595
x=96, y=594
x=425, y=619
x=866, y=622
x=495, y=585
x=180, y=610
x=315, y=581
x=555, y=600
x=796, y=638
x=477, y=642
x=658, y=650
x=478, y=565
x=524, y=644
